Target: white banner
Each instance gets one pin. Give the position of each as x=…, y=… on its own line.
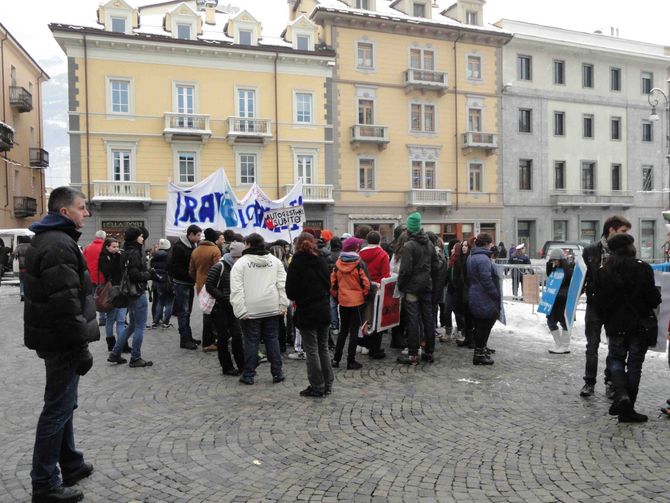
x=213, y=203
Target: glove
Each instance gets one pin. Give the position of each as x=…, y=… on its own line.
x=84, y=362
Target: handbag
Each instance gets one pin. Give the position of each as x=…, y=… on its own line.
x=128, y=288
x=103, y=303
x=649, y=329
x=205, y=299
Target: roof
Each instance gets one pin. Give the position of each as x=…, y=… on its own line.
x=25, y=53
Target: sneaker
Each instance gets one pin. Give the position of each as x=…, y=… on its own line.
x=408, y=359
x=246, y=380
x=278, y=379
x=196, y=341
x=84, y=471
x=405, y=351
x=328, y=390
x=155, y=325
x=118, y=359
x=167, y=325
x=210, y=349
x=378, y=355
x=60, y=493
x=297, y=356
x=632, y=417
x=427, y=357
x=262, y=358
x=359, y=349
x=354, y=365
x=364, y=351
x=139, y=362
x=311, y=392
x=609, y=390
x=188, y=345
x=231, y=372
x=587, y=390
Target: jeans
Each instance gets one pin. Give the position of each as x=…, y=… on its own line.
x=483, y=328
x=419, y=322
x=116, y=316
x=626, y=353
x=161, y=309
x=267, y=330
x=183, y=300
x=351, y=318
x=54, y=439
x=592, y=331
x=228, y=327
x=138, y=308
x=334, y=314
x=315, y=345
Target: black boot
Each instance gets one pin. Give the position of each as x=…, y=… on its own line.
x=111, y=341
x=481, y=357
x=622, y=402
x=629, y=415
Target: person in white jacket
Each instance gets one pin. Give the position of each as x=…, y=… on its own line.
x=258, y=297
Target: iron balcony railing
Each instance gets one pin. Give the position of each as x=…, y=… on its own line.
x=20, y=99
x=39, y=158
x=25, y=206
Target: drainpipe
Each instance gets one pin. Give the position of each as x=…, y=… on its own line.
x=40, y=133
x=88, y=143
x=4, y=111
x=456, y=116
x=276, y=126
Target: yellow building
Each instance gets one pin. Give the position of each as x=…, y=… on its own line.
x=416, y=113
x=22, y=156
x=175, y=90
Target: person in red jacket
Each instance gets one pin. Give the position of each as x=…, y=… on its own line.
x=379, y=267
x=92, y=255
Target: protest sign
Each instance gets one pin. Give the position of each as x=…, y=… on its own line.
x=388, y=310
x=531, y=289
x=554, y=282
x=284, y=217
x=574, y=291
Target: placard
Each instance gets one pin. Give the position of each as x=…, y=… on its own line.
x=531, y=289
x=574, y=291
x=554, y=282
x=388, y=309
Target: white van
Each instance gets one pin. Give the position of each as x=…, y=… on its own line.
x=10, y=238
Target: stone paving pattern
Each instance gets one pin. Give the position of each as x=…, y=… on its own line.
x=447, y=432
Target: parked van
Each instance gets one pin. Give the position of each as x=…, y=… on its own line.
x=10, y=239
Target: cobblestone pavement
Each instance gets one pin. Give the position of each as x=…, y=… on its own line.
x=180, y=431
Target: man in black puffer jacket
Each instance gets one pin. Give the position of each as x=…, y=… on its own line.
x=59, y=323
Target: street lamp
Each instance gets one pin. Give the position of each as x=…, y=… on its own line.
x=656, y=96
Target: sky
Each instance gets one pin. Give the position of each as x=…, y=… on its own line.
x=27, y=20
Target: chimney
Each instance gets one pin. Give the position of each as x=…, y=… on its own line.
x=210, y=15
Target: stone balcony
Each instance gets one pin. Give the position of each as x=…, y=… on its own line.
x=313, y=193
x=425, y=80
x=428, y=197
x=39, y=158
x=473, y=140
x=24, y=206
x=591, y=198
x=186, y=127
x=116, y=191
x=370, y=134
x=249, y=130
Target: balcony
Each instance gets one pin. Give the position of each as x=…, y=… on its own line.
x=6, y=137
x=429, y=197
x=39, y=158
x=111, y=190
x=186, y=127
x=20, y=99
x=591, y=198
x=368, y=133
x=25, y=206
x=476, y=140
x=423, y=80
x=312, y=193
x=249, y=130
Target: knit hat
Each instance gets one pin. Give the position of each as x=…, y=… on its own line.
x=211, y=234
x=101, y=234
x=345, y=236
x=555, y=254
x=326, y=235
x=236, y=249
x=132, y=233
x=619, y=241
x=414, y=222
x=352, y=244
x=164, y=244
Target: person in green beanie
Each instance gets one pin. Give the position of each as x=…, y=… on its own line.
x=414, y=222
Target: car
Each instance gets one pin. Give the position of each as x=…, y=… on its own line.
x=569, y=250
x=544, y=251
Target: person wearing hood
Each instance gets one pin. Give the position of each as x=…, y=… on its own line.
x=418, y=267
x=335, y=250
x=258, y=297
x=595, y=255
x=227, y=326
x=161, y=310
x=349, y=285
x=484, y=294
x=557, y=315
x=379, y=267
x=178, y=267
x=308, y=285
x=59, y=323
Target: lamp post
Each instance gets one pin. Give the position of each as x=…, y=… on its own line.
x=656, y=96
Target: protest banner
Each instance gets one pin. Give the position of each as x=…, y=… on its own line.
x=531, y=288
x=662, y=281
x=284, y=217
x=554, y=282
x=388, y=309
x=574, y=291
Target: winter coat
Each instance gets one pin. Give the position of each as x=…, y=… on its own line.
x=159, y=263
x=179, y=259
x=308, y=284
x=626, y=293
x=483, y=286
x=440, y=276
x=111, y=266
x=594, y=256
x=562, y=295
x=136, y=267
x=257, y=285
x=59, y=310
x=92, y=255
x=457, y=284
x=202, y=259
x=20, y=254
x=349, y=282
x=378, y=262
x=218, y=281
x=418, y=264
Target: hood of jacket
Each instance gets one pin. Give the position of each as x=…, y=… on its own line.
x=480, y=251
x=370, y=252
x=184, y=240
x=228, y=259
x=130, y=245
x=347, y=263
x=420, y=237
x=56, y=221
x=160, y=255
x=259, y=251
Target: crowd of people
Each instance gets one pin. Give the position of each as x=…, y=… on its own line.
x=314, y=294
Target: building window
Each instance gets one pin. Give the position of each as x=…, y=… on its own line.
x=120, y=93
x=471, y=17
x=616, y=177
x=302, y=42
x=559, y=123
x=588, y=230
x=366, y=174
x=560, y=230
x=525, y=174
x=423, y=118
x=647, y=178
x=647, y=131
x=245, y=37
x=248, y=169
x=186, y=161
x=121, y=171
x=305, y=165
x=615, y=79
x=422, y=59
x=559, y=175
x=366, y=111
x=474, y=119
x=615, y=128
x=524, y=67
x=303, y=108
x=525, y=120
x=246, y=104
x=647, y=239
x=475, y=176
x=185, y=105
x=559, y=71
x=647, y=82
x=587, y=75
x=362, y=4
x=588, y=180
x=419, y=9
x=184, y=31
x=588, y=126
x=365, y=56
x=119, y=24
x=474, y=69
x=423, y=174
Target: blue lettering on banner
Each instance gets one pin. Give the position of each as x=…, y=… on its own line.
x=554, y=282
x=207, y=208
x=190, y=204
